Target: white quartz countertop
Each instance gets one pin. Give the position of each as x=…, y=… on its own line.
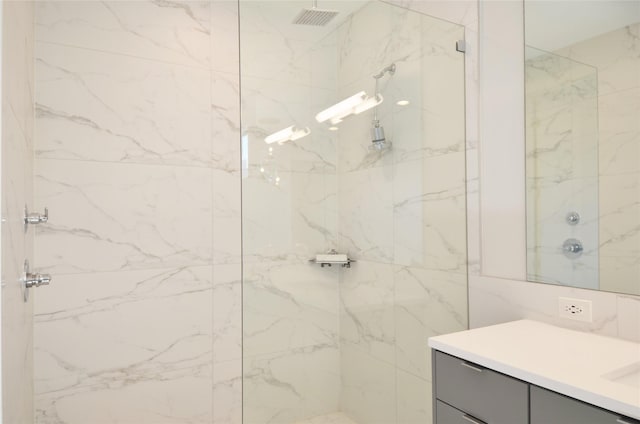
x=599, y=370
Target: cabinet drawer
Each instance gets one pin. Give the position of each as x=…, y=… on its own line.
x=446, y=414
x=487, y=395
x=549, y=407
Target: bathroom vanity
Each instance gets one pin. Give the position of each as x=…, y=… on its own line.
x=528, y=372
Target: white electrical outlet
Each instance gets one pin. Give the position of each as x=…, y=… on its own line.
x=575, y=309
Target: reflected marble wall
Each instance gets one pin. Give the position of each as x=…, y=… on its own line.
x=562, y=168
x=138, y=160
x=615, y=56
x=402, y=212
x=17, y=191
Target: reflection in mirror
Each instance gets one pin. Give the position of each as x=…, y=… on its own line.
x=582, y=78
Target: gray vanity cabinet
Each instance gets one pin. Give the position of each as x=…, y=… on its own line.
x=550, y=407
x=478, y=393
x=466, y=393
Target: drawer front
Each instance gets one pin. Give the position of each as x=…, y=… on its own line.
x=446, y=414
x=487, y=395
x=550, y=407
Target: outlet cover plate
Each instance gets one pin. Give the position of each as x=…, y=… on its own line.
x=575, y=309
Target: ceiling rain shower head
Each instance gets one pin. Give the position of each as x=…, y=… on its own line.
x=315, y=16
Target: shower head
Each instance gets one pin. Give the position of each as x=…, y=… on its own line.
x=378, y=140
x=315, y=16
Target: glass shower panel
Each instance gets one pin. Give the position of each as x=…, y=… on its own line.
x=334, y=343
x=562, y=170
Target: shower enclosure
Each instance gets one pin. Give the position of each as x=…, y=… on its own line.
x=352, y=140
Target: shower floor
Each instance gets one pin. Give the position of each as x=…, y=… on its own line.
x=333, y=418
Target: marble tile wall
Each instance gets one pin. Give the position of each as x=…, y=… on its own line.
x=17, y=117
x=137, y=157
x=402, y=212
x=562, y=164
x=290, y=307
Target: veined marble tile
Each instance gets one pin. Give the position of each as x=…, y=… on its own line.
x=108, y=346
x=287, y=306
x=291, y=385
x=225, y=54
x=105, y=107
x=288, y=214
x=17, y=245
x=227, y=217
x=133, y=28
x=427, y=303
x=463, y=12
x=227, y=392
x=414, y=399
x=333, y=418
x=270, y=106
x=367, y=316
x=619, y=130
x=620, y=274
x=629, y=317
x=112, y=217
x=429, y=213
x=227, y=312
x=18, y=68
x=619, y=229
x=616, y=54
x=364, y=52
x=225, y=109
x=368, y=387
x=366, y=214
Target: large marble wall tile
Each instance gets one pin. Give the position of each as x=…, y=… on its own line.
x=227, y=217
x=427, y=303
x=17, y=71
x=616, y=55
x=227, y=312
x=366, y=214
x=288, y=305
x=300, y=219
x=17, y=315
x=629, y=318
x=17, y=191
x=225, y=54
x=129, y=348
x=227, y=392
x=291, y=385
x=225, y=121
x=414, y=399
x=107, y=107
x=619, y=129
x=367, y=316
x=176, y=32
x=368, y=387
x=110, y=217
x=365, y=52
x=429, y=213
x=269, y=106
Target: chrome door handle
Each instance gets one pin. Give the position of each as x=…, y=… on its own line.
x=470, y=366
x=471, y=419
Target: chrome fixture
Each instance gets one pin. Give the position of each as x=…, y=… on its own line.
x=378, y=140
x=573, y=218
x=461, y=46
x=315, y=16
x=34, y=217
x=572, y=248
x=32, y=279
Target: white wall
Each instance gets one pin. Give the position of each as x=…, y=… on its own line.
x=497, y=290
x=17, y=190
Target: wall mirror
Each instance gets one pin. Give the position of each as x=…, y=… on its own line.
x=582, y=91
